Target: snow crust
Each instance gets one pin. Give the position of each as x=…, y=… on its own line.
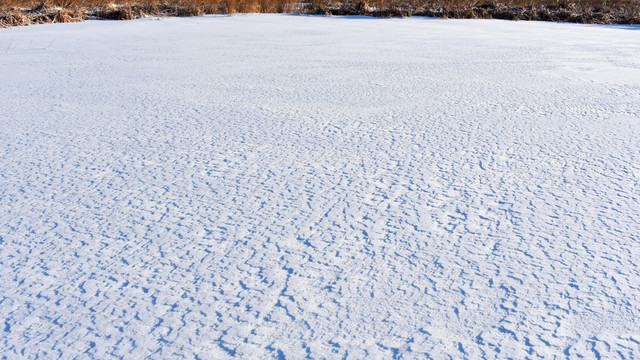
x=275, y=186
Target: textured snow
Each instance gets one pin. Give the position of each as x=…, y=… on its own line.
x=274, y=186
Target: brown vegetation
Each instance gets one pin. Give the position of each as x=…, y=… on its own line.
x=25, y=12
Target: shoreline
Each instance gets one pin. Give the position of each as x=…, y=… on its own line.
x=622, y=13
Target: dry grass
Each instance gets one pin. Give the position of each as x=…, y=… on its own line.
x=25, y=12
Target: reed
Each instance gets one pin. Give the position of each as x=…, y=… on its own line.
x=26, y=12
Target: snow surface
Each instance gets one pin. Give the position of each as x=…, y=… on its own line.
x=287, y=187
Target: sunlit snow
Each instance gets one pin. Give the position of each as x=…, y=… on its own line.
x=274, y=186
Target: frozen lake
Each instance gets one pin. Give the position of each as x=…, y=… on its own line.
x=273, y=186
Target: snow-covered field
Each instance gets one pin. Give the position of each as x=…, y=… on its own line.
x=273, y=186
